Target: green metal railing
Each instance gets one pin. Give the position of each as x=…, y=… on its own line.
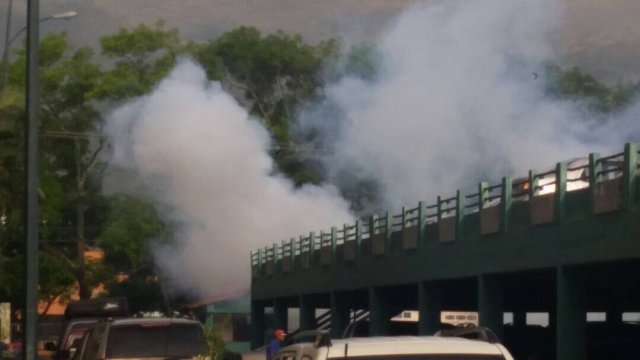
x=605, y=178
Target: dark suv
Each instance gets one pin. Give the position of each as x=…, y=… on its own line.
x=82, y=316
x=144, y=338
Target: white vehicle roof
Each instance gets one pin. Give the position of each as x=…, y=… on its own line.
x=392, y=347
x=401, y=345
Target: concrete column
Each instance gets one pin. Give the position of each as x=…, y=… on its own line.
x=614, y=316
x=379, y=312
x=257, y=324
x=430, y=307
x=280, y=314
x=519, y=318
x=339, y=313
x=491, y=303
x=307, y=313
x=571, y=307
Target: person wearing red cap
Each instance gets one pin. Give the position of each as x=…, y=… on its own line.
x=274, y=345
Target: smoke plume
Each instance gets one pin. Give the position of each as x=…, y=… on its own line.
x=206, y=164
x=461, y=98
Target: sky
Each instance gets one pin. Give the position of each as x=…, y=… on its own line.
x=600, y=36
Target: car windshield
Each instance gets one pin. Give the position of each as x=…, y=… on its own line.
x=174, y=342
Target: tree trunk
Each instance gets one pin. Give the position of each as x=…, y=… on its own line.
x=80, y=242
x=80, y=272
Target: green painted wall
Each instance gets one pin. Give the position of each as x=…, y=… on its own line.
x=579, y=236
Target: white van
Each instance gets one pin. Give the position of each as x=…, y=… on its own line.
x=438, y=347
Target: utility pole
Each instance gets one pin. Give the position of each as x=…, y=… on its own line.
x=5, y=54
x=32, y=181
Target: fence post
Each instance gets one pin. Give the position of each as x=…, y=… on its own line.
x=334, y=233
x=421, y=223
x=358, y=239
x=459, y=214
x=594, y=169
x=505, y=211
x=533, y=183
x=312, y=248
x=388, y=229
x=276, y=261
x=561, y=190
x=630, y=173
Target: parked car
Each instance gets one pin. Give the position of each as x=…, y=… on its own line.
x=144, y=338
x=395, y=348
x=82, y=316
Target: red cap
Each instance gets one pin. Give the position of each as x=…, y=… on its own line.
x=279, y=332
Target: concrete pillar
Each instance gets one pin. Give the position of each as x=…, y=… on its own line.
x=571, y=314
x=614, y=316
x=257, y=324
x=519, y=318
x=280, y=314
x=380, y=312
x=307, y=313
x=491, y=303
x=430, y=307
x=340, y=311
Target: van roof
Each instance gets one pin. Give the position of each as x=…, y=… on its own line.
x=153, y=321
x=399, y=345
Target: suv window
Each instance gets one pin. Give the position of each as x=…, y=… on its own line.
x=142, y=341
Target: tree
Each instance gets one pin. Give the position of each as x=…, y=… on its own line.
x=70, y=166
x=576, y=85
x=142, y=57
x=132, y=229
x=274, y=76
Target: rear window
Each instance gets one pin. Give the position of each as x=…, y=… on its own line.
x=76, y=331
x=172, y=341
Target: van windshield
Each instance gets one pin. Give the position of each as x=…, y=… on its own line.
x=166, y=341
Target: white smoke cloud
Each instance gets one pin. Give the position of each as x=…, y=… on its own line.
x=460, y=100
x=206, y=162
x=457, y=102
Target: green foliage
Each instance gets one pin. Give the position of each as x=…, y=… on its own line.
x=274, y=75
x=143, y=56
x=576, y=85
x=131, y=228
x=56, y=278
x=213, y=337
x=363, y=61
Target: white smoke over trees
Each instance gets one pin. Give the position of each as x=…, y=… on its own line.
x=458, y=100
x=206, y=163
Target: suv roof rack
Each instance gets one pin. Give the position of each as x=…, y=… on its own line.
x=471, y=332
x=319, y=338
x=107, y=307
